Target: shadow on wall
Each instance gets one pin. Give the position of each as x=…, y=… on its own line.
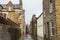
x=15, y=33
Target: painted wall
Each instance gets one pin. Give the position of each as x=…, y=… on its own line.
x=40, y=26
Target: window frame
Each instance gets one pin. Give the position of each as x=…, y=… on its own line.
x=20, y=15
x=9, y=8
x=51, y=28
x=51, y=6
x=44, y=13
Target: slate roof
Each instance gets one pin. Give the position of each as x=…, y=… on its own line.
x=16, y=6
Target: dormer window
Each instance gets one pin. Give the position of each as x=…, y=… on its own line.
x=9, y=8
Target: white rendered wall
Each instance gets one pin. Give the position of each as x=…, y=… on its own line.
x=40, y=26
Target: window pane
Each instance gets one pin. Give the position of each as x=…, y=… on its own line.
x=50, y=1
x=52, y=31
x=52, y=28
x=9, y=8
x=44, y=29
x=51, y=6
x=20, y=16
x=4, y=15
x=44, y=13
x=52, y=24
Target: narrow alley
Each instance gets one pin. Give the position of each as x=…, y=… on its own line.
x=28, y=37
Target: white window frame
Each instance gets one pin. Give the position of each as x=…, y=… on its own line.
x=20, y=16
x=44, y=13
x=9, y=8
x=44, y=29
x=51, y=33
x=51, y=7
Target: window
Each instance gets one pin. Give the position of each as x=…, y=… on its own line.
x=0, y=28
x=48, y=26
x=52, y=28
x=21, y=25
x=20, y=6
x=51, y=6
x=53, y=31
x=0, y=14
x=20, y=16
x=44, y=13
x=50, y=1
x=3, y=15
x=44, y=29
x=9, y=8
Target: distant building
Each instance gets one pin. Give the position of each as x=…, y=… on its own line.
x=51, y=10
x=30, y=27
x=15, y=13
x=40, y=35
x=27, y=29
x=33, y=26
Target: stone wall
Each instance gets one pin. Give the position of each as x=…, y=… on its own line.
x=57, y=8
x=8, y=33
x=47, y=18
x=40, y=38
x=4, y=34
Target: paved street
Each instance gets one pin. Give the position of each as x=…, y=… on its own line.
x=28, y=37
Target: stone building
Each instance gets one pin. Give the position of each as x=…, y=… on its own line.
x=40, y=35
x=9, y=30
x=51, y=16
x=15, y=13
x=30, y=25
x=33, y=25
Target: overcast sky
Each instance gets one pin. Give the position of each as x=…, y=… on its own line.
x=30, y=6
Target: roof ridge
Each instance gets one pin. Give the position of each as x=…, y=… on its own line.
x=5, y=4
